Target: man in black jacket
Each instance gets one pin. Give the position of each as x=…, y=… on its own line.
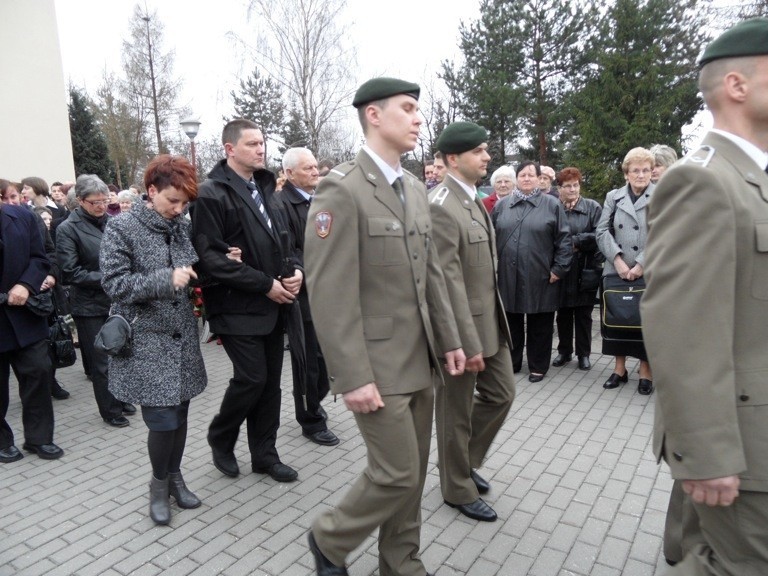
x=242, y=298
x=23, y=335
x=300, y=167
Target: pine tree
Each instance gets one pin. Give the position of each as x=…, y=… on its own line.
x=89, y=147
x=642, y=89
x=259, y=99
x=295, y=133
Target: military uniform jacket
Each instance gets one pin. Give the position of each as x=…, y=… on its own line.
x=467, y=247
x=376, y=290
x=705, y=315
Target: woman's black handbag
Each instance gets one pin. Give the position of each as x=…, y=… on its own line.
x=62, y=346
x=589, y=279
x=115, y=337
x=620, y=308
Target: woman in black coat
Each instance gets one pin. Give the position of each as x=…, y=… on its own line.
x=579, y=287
x=534, y=247
x=78, y=240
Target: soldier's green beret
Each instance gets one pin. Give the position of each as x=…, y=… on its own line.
x=460, y=137
x=382, y=87
x=747, y=38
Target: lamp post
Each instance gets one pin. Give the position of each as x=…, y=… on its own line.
x=191, y=127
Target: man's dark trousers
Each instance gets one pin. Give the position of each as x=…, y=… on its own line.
x=253, y=396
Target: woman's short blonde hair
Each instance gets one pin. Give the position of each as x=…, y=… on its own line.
x=638, y=155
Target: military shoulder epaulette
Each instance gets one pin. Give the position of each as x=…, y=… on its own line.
x=343, y=169
x=439, y=194
x=701, y=157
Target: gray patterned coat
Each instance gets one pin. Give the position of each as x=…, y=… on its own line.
x=138, y=253
x=629, y=225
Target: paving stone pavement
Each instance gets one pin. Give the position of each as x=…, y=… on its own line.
x=575, y=485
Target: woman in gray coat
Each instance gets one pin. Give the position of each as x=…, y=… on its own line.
x=534, y=247
x=621, y=235
x=146, y=260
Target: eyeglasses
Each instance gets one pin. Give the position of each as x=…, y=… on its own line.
x=97, y=202
x=638, y=172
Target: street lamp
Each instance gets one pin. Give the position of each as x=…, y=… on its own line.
x=191, y=127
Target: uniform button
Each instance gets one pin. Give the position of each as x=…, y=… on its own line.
x=418, y=280
x=412, y=232
x=332, y=378
x=177, y=336
x=415, y=256
x=743, y=397
x=678, y=456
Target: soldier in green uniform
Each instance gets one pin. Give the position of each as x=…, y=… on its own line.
x=469, y=409
x=705, y=313
x=382, y=317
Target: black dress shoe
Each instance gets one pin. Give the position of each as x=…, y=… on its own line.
x=561, y=360
x=128, y=408
x=225, y=462
x=584, y=363
x=279, y=472
x=477, y=510
x=58, y=392
x=117, y=422
x=614, y=380
x=324, y=437
x=10, y=454
x=322, y=564
x=482, y=484
x=535, y=377
x=45, y=451
x=645, y=387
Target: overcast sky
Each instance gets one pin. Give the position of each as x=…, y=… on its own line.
x=403, y=38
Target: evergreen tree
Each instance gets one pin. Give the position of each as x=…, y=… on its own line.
x=89, y=147
x=295, y=133
x=259, y=99
x=642, y=88
x=521, y=58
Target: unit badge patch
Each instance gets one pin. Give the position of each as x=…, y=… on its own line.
x=323, y=222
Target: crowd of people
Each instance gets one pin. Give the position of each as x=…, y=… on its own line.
x=410, y=300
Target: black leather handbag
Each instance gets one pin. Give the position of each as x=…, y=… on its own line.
x=620, y=308
x=62, y=346
x=115, y=337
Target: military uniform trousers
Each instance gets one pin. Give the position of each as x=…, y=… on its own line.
x=469, y=411
x=388, y=493
x=733, y=538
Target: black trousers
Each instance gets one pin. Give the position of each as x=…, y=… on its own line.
x=253, y=396
x=33, y=370
x=87, y=328
x=310, y=418
x=540, y=330
x=581, y=318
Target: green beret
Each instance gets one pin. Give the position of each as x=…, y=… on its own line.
x=380, y=88
x=747, y=38
x=460, y=137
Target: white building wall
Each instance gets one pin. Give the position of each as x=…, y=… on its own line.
x=34, y=120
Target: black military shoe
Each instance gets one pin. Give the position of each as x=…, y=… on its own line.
x=323, y=565
x=561, y=360
x=482, y=484
x=477, y=510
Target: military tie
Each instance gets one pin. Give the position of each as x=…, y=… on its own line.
x=256, y=195
x=398, y=186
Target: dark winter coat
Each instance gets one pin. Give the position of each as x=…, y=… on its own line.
x=225, y=215
x=296, y=210
x=532, y=239
x=78, y=241
x=582, y=221
x=138, y=255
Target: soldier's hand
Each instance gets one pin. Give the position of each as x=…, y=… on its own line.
x=455, y=361
x=714, y=492
x=17, y=296
x=475, y=363
x=279, y=294
x=364, y=399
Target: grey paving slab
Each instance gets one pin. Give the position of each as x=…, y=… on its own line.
x=575, y=485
